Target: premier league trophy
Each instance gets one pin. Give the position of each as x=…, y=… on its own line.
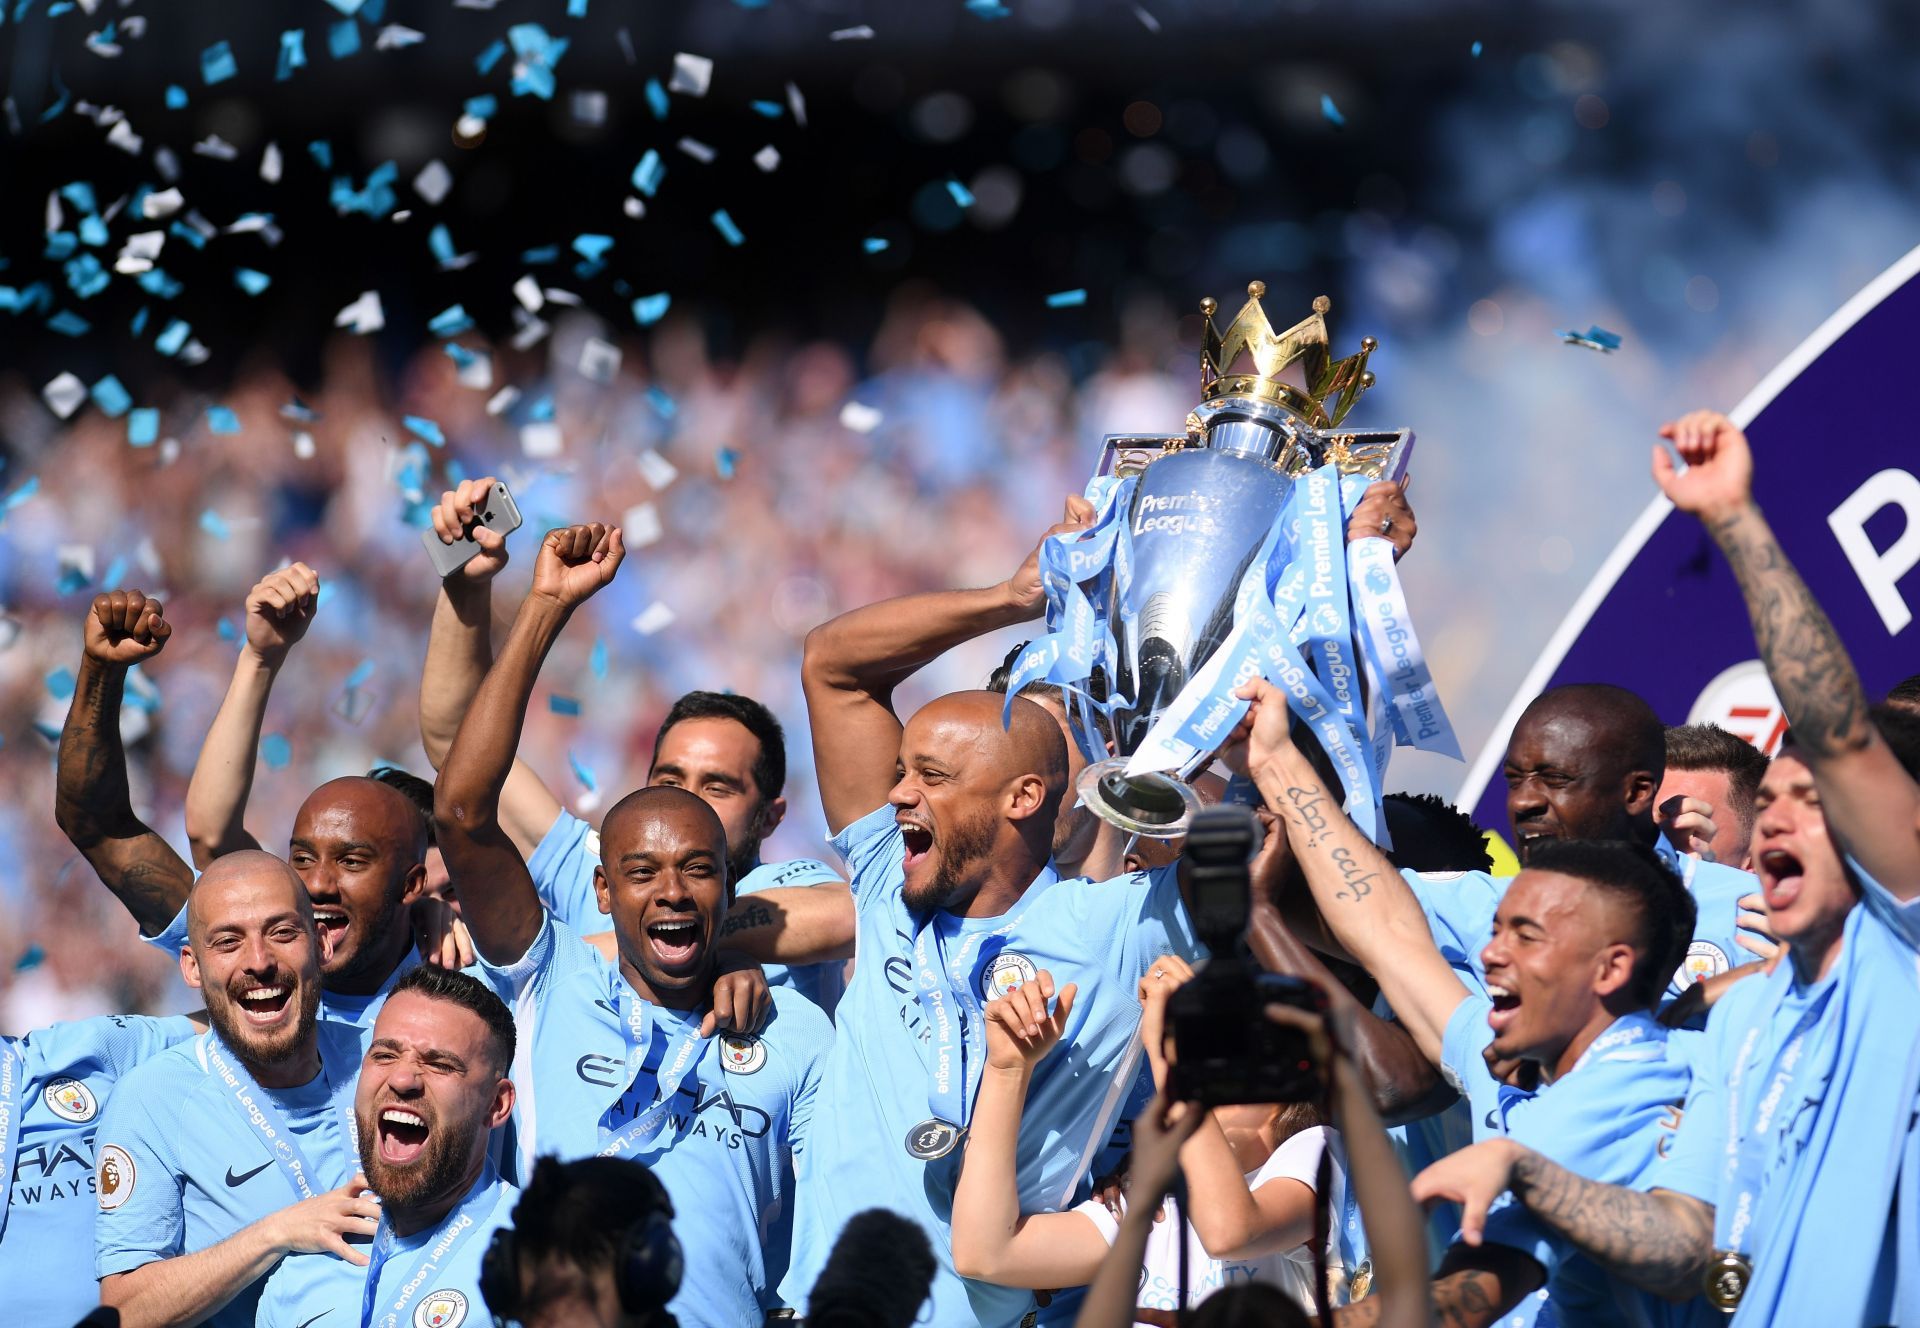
x=1220, y=555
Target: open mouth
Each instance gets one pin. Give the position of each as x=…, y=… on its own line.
x=1526, y=841
x=265, y=1006
x=1506, y=1005
x=918, y=842
x=332, y=922
x=675, y=941
x=1781, y=876
x=403, y=1135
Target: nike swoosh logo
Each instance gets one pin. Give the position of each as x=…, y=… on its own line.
x=242, y=1179
x=315, y=1319
x=604, y=1005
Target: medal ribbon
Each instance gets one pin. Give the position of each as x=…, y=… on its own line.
x=263, y=1114
x=685, y=1060
x=13, y=1069
x=454, y=1231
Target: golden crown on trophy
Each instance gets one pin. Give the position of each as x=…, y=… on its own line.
x=1329, y=388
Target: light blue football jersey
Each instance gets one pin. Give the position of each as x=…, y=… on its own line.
x=428, y=1279
x=180, y=1167
x=728, y=1150
x=54, y=1083
x=562, y=870
x=1102, y=936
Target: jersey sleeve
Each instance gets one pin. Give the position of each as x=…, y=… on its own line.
x=1900, y=916
x=1297, y=1158
x=1463, y=1063
x=812, y=1034
x=1459, y=908
x=1103, y=1221
x=1151, y=919
x=874, y=853
x=556, y=954
x=142, y=1216
x=562, y=869
x=797, y=871
x=174, y=939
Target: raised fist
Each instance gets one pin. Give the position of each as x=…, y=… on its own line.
x=575, y=561
x=125, y=627
x=280, y=608
x=1718, y=480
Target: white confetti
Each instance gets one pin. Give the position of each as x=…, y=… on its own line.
x=657, y=470
x=797, y=104
x=123, y=137
x=860, y=418
x=477, y=373
x=502, y=401
x=64, y=394
x=75, y=558
x=364, y=315
x=656, y=617
x=433, y=182
x=634, y=208
x=599, y=360
x=531, y=330
x=641, y=526
x=162, y=204
x=527, y=291
x=767, y=158
x=139, y=252
x=699, y=151
x=540, y=439
x=216, y=147
x=394, y=36
x=566, y=297
x=589, y=107
x=691, y=74
x=861, y=33
x=1147, y=21
x=303, y=445
x=270, y=164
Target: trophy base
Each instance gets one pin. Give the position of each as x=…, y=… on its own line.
x=1156, y=805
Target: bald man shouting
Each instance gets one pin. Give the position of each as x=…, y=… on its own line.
x=947, y=827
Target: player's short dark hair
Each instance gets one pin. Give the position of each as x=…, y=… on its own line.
x=1905, y=694
x=1710, y=747
x=1632, y=874
x=770, y=766
x=579, y=1212
x=877, y=1275
x=1041, y=690
x=469, y=993
x=1249, y=1305
x=418, y=791
x=1899, y=727
x=1430, y=834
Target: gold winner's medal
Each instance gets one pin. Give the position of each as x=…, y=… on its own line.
x=1726, y=1281
x=1361, y=1282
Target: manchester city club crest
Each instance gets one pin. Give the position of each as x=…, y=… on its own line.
x=71, y=1100
x=441, y=1309
x=1007, y=971
x=742, y=1055
x=1704, y=960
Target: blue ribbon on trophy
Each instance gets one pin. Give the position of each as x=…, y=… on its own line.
x=1221, y=555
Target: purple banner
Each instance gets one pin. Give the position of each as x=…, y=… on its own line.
x=1836, y=444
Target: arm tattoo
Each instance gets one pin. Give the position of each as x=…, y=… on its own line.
x=1819, y=689
x=95, y=809
x=1359, y=881
x=756, y=915
x=1471, y=1298
x=1658, y=1241
x=1307, y=803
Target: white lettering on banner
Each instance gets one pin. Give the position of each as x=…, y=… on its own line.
x=1880, y=573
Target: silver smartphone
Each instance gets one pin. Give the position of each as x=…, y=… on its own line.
x=498, y=514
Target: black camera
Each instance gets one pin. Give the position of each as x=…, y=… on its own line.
x=1223, y=1047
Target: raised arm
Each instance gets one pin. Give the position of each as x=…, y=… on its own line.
x=91, y=801
x=791, y=924
x=1658, y=1240
x=852, y=664
x=992, y=1240
x=459, y=653
x=1369, y=909
x=280, y=608
x=497, y=896
x=1870, y=800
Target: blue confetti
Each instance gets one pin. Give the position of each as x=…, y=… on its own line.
x=725, y=461
x=214, y=524
x=276, y=751
x=576, y=8
x=1331, y=113
x=26, y=299
x=93, y=231
x=440, y=244
x=1067, y=299
x=159, y=282
x=70, y=324
x=60, y=684
x=535, y=55
x=593, y=253
x=648, y=174
x=322, y=153
x=30, y=958
x=228, y=632
x=723, y=223
x=597, y=661
x=491, y=56
x=116, y=573
x=358, y=678
x=962, y=196
x=662, y=402
x=222, y=420
x=20, y=495
x=343, y=38
x=143, y=426
x=988, y=9
x=250, y=281
x=61, y=243
x=86, y=276
x=540, y=409
x=450, y=322
x=80, y=194
x=216, y=64
x=376, y=200
x=173, y=338
x=51, y=732
x=293, y=55
x=1476, y=50
x=176, y=97
x=351, y=7
x=583, y=773
x=111, y=397
x=1594, y=338
x=773, y=110
x=483, y=107
x=545, y=254
x=873, y=244
x=649, y=309
x=138, y=325
x=426, y=429
x=563, y=705
x=181, y=230
x=657, y=99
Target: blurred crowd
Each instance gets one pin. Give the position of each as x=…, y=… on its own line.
x=787, y=508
